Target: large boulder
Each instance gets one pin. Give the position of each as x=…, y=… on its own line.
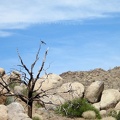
x=2, y=72
x=110, y=98
x=103, y=113
x=6, y=78
x=94, y=91
x=2, y=89
x=52, y=101
x=71, y=90
x=3, y=82
x=96, y=105
x=15, y=107
x=48, y=82
x=117, y=107
x=21, y=116
x=15, y=76
x=3, y=112
x=17, y=112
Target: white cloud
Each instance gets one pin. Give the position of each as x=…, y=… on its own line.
x=5, y=34
x=13, y=25
x=22, y=13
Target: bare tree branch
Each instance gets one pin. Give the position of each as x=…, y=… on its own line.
x=40, y=70
x=29, y=80
x=37, y=58
x=22, y=64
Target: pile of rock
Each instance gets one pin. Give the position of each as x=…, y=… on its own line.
x=102, y=99
x=6, y=79
x=59, y=91
x=13, y=111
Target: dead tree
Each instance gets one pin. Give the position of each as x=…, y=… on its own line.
x=29, y=80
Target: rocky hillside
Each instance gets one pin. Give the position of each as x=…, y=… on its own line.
x=55, y=90
x=110, y=77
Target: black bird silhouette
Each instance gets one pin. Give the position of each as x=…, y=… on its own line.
x=43, y=42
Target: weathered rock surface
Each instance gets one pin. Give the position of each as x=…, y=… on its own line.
x=2, y=89
x=3, y=112
x=52, y=101
x=17, y=112
x=2, y=71
x=94, y=91
x=89, y=115
x=109, y=98
x=71, y=90
x=47, y=82
x=97, y=105
x=15, y=76
x=117, y=107
x=3, y=80
x=103, y=113
x=2, y=99
x=108, y=118
x=21, y=116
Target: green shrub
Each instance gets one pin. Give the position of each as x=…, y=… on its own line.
x=9, y=100
x=12, y=85
x=76, y=107
x=25, y=92
x=118, y=116
x=114, y=114
x=36, y=118
x=37, y=105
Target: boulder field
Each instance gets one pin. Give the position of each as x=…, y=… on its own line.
x=91, y=85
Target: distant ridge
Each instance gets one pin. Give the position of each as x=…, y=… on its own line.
x=110, y=77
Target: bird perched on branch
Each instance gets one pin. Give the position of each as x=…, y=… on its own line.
x=43, y=42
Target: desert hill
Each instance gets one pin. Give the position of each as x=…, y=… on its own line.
x=110, y=77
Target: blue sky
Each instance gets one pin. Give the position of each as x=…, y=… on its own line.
x=81, y=34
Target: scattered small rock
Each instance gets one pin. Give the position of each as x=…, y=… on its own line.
x=108, y=118
x=2, y=71
x=89, y=115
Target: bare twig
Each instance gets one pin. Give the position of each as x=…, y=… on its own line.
x=22, y=64
x=37, y=58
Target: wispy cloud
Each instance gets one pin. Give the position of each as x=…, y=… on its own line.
x=5, y=34
x=16, y=13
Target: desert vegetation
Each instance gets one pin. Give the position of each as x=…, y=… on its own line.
x=76, y=108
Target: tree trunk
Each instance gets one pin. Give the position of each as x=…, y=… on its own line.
x=30, y=102
x=30, y=109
